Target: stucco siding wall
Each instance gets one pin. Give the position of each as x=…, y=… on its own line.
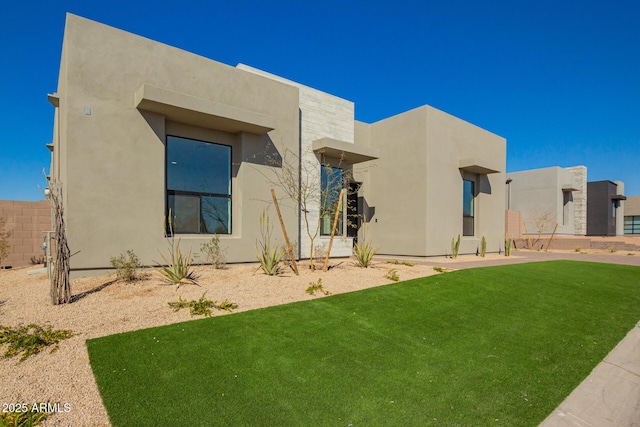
x=112, y=164
x=539, y=195
x=416, y=185
x=450, y=139
x=398, y=190
x=536, y=193
x=632, y=206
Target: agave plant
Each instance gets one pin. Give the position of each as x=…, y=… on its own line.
x=269, y=255
x=364, y=250
x=177, y=266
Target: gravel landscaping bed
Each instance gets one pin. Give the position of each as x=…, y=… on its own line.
x=103, y=306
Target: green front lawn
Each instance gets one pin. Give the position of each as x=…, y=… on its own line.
x=488, y=346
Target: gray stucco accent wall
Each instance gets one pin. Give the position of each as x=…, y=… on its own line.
x=416, y=186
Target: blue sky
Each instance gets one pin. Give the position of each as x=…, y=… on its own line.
x=559, y=79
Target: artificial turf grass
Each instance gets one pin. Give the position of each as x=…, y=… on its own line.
x=489, y=346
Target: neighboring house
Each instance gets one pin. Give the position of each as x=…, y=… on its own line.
x=28, y=224
x=142, y=129
x=605, y=208
x=632, y=215
x=549, y=196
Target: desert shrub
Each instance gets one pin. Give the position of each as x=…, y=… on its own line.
x=214, y=253
x=26, y=416
x=202, y=307
x=30, y=339
x=396, y=262
x=392, y=275
x=439, y=269
x=34, y=260
x=269, y=255
x=612, y=249
x=577, y=249
x=483, y=246
x=317, y=287
x=507, y=246
x=225, y=305
x=127, y=266
x=455, y=247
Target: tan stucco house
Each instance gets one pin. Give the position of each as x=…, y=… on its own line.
x=550, y=196
x=142, y=129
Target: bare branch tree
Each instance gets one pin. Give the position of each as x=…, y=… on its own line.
x=60, y=283
x=543, y=222
x=300, y=179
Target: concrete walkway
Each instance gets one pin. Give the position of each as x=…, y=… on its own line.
x=610, y=395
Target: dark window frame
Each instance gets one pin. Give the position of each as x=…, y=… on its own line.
x=327, y=216
x=201, y=194
x=632, y=224
x=468, y=218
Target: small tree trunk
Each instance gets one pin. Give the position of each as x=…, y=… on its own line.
x=552, y=234
x=333, y=231
x=286, y=237
x=60, y=284
x=528, y=237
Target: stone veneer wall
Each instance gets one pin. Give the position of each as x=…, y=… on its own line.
x=580, y=200
x=27, y=222
x=322, y=116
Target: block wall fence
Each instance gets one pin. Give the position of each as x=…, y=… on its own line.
x=27, y=222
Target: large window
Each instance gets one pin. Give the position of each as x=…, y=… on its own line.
x=632, y=224
x=567, y=199
x=468, y=218
x=332, y=181
x=199, y=186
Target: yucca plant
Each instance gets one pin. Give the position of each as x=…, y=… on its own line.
x=364, y=250
x=483, y=246
x=269, y=255
x=507, y=246
x=455, y=247
x=177, y=266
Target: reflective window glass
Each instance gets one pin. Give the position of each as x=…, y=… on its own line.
x=468, y=194
x=332, y=181
x=198, y=186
